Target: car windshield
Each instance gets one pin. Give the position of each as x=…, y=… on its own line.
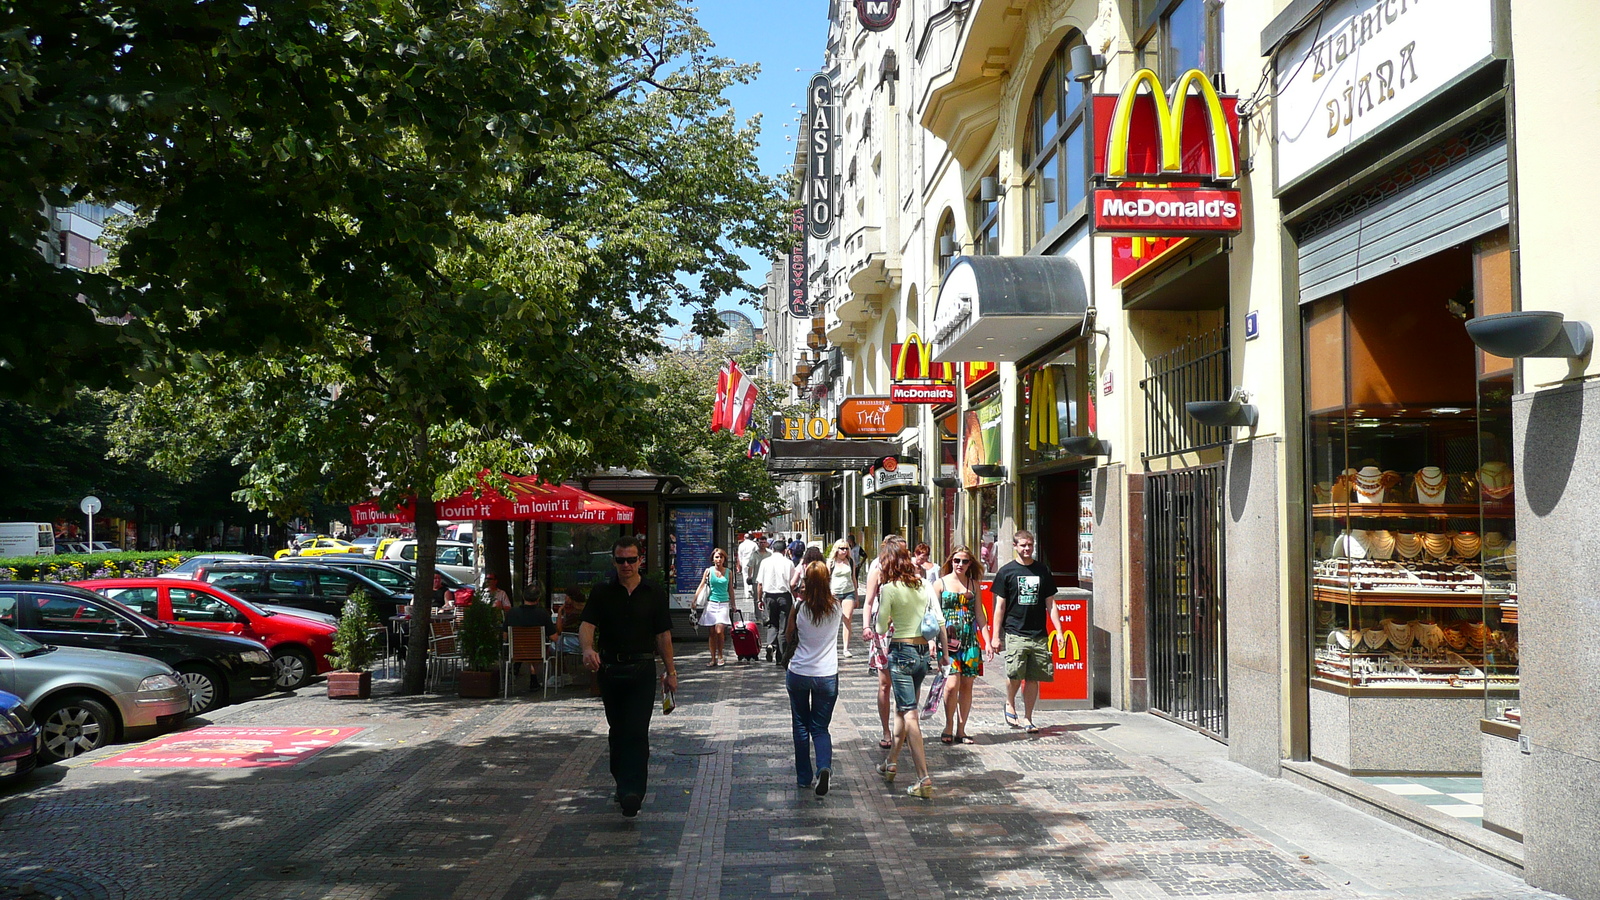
x=18, y=644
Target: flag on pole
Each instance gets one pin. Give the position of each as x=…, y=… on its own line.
x=741, y=399
x=720, y=410
x=758, y=449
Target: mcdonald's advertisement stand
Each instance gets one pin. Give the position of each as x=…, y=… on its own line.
x=1073, y=687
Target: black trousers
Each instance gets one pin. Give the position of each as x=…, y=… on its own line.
x=779, y=606
x=628, y=691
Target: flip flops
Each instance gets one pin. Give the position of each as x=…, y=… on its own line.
x=1012, y=720
x=885, y=744
x=1032, y=728
x=947, y=738
x=965, y=739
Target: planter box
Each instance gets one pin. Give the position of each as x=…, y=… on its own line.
x=349, y=685
x=478, y=684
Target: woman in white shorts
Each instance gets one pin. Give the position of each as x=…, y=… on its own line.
x=713, y=592
x=842, y=584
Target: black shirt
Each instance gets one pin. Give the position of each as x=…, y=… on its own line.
x=531, y=615
x=1027, y=591
x=627, y=623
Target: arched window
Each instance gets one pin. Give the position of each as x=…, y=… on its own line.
x=945, y=246
x=1055, y=148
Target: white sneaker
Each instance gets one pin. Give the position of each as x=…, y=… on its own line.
x=848, y=654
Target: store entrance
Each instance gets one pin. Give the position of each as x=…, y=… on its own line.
x=1184, y=588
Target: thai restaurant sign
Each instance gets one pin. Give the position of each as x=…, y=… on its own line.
x=916, y=379
x=1361, y=64
x=870, y=417
x=1167, y=166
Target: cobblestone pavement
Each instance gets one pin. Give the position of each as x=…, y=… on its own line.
x=440, y=797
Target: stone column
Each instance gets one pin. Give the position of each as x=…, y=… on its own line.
x=1254, y=542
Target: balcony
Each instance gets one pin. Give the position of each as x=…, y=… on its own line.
x=871, y=270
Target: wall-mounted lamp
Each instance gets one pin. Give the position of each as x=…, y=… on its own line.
x=1234, y=412
x=1085, y=63
x=989, y=189
x=946, y=482
x=947, y=245
x=985, y=470
x=816, y=341
x=1531, y=333
x=1086, y=445
x=1048, y=187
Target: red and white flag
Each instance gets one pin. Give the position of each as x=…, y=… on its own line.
x=742, y=399
x=721, y=409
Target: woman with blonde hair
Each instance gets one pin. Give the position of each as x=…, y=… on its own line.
x=813, y=676
x=714, y=589
x=906, y=611
x=964, y=621
x=842, y=584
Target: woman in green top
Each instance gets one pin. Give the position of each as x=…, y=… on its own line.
x=903, y=603
x=714, y=588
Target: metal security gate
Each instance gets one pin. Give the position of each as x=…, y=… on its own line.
x=1185, y=604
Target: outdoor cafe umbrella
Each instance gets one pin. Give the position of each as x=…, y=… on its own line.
x=529, y=500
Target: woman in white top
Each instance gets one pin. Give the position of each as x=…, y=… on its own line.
x=813, y=678
x=842, y=584
x=712, y=594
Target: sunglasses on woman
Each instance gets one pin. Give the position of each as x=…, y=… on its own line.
x=959, y=562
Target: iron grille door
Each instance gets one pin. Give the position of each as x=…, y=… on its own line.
x=1185, y=603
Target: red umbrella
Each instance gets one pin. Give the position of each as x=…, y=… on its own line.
x=530, y=500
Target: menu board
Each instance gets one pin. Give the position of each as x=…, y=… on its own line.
x=1085, y=532
x=691, y=536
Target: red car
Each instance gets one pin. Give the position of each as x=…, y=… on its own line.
x=299, y=646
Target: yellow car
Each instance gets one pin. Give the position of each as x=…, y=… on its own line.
x=322, y=546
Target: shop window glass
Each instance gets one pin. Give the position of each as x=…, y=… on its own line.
x=1183, y=37
x=1053, y=402
x=1055, y=158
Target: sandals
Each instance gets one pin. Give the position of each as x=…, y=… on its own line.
x=947, y=738
x=885, y=744
x=922, y=789
x=1012, y=720
x=965, y=739
x=887, y=770
x=1032, y=728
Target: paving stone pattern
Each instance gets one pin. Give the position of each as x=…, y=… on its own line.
x=469, y=799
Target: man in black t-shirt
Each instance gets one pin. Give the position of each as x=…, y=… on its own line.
x=624, y=626
x=1024, y=592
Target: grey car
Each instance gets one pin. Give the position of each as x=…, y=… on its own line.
x=84, y=699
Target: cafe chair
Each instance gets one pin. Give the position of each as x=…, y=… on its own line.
x=444, y=654
x=526, y=645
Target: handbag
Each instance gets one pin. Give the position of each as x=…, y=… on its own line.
x=932, y=619
x=935, y=692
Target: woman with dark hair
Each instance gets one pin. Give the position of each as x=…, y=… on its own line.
x=903, y=607
x=712, y=596
x=964, y=621
x=813, y=678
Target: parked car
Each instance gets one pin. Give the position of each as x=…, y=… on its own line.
x=318, y=547
x=299, y=645
x=19, y=737
x=85, y=699
x=454, y=557
x=185, y=569
x=313, y=586
x=398, y=575
x=217, y=668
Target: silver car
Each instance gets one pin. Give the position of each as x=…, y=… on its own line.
x=85, y=699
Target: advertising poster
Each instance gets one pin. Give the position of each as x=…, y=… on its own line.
x=1085, y=533
x=1069, y=649
x=980, y=441
x=691, y=536
x=219, y=747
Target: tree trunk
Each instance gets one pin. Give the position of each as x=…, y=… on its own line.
x=427, y=522
x=496, y=558
x=523, y=573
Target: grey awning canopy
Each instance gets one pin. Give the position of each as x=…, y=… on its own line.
x=1003, y=308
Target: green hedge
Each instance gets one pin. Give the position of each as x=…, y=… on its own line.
x=79, y=566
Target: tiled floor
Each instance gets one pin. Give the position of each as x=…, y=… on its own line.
x=1460, y=798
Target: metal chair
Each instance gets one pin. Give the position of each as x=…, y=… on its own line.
x=526, y=645
x=443, y=653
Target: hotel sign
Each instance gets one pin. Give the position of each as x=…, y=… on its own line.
x=819, y=165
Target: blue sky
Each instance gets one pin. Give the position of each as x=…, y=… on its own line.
x=783, y=36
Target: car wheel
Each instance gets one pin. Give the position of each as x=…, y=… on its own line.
x=72, y=725
x=291, y=669
x=205, y=689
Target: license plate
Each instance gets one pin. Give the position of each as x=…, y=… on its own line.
x=8, y=768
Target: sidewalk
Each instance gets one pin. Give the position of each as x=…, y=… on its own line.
x=440, y=797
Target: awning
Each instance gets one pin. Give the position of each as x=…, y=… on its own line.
x=531, y=500
x=821, y=456
x=1003, y=308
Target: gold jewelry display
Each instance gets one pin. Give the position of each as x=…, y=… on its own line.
x=1368, y=485
x=1408, y=545
x=1429, y=635
x=1495, y=480
x=1401, y=634
x=1436, y=545
x=1374, y=638
x=1494, y=543
x=1430, y=485
x=1475, y=633
x=1380, y=545
x=1341, y=486
x=1466, y=544
x=1351, y=545
x=1454, y=639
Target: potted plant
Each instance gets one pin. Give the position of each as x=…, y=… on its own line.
x=353, y=651
x=479, y=641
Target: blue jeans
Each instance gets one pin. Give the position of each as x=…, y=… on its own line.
x=908, y=665
x=811, y=699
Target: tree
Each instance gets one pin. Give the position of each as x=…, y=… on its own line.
x=680, y=413
x=403, y=351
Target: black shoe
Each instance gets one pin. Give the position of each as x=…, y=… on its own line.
x=769, y=652
x=822, y=782
x=631, y=804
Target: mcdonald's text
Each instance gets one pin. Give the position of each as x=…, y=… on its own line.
x=922, y=393
x=1167, y=211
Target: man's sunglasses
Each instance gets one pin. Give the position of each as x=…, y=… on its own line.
x=625, y=560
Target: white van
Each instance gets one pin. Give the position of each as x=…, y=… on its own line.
x=454, y=557
x=27, y=539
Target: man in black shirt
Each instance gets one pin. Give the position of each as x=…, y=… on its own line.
x=624, y=626
x=530, y=613
x=1024, y=592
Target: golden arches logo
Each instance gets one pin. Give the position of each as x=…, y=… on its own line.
x=925, y=367
x=1169, y=125
x=1058, y=645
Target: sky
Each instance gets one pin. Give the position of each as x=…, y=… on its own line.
x=786, y=37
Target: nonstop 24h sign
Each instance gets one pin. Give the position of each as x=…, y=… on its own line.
x=1168, y=165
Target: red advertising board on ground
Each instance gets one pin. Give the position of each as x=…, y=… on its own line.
x=217, y=747
x=1069, y=650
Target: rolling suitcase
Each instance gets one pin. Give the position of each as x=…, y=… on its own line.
x=746, y=639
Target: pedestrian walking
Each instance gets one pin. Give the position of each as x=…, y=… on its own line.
x=908, y=612
x=842, y=584
x=797, y=549
x=713, y=596
x=751, y=566
x=1023, y=589
x=878, y=644
x=922, y=555
x=625, y=625
x=964, y=621
x=813, y=676
x=774, y=597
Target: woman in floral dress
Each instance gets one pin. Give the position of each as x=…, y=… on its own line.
x=964, y=621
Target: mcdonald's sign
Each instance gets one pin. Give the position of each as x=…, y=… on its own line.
x=916, y=378
x=1167, y=165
